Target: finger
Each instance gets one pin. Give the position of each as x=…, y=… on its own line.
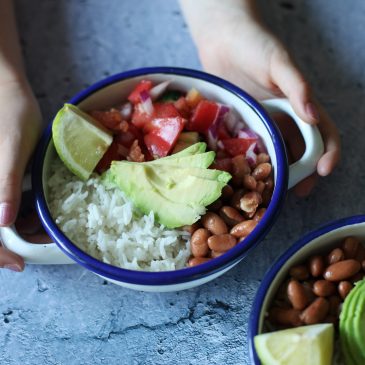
x=10, y=193
x=332, y=144
x=305, y=187
x=286, y=76
x=10, y=260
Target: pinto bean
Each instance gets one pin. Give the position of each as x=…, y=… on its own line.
x=250, y=201
x=262, y=171
x=260, y=187
x=199, y=242
x=244, y=228
x=315, y=312
x=335, y=255
x=221, y=242
x=350, y=247
x=344, y=288
x=342, y=270
x=192, y=227
x=249, y=182
x=236, y=197
x=259, y=214
x=194, y=261
x=227, y=192
x=214, y=223
x=262, y=158
x=285, y=316
x=316, y=265
x=299, y=272
x=297, y=295
x=240, y=167
x=324, y=288
x=230, y=215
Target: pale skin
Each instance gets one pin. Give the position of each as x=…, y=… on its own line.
x=222, y=30
x=234, y=44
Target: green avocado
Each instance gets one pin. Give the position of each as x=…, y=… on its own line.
x=192, y=186
x=135, y=181
x=194, y=149
x=176, y=188
x=352, y=329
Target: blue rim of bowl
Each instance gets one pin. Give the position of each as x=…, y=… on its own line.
x=254, y=320
x=181, y=275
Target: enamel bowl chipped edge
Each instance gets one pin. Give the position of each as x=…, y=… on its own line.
x=111, y=91
x=318, y=241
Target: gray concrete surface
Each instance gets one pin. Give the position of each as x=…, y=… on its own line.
x=66, y=315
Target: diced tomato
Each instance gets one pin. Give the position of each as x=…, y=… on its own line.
x=203, y=116
x=110, y=155
x=165, y=110
x=237, y=146
x=109, y=119
x=140, y=117
x=126, y=138
x=223, y=132
x=223, y=164
x=163, y=135
x=161, y=111
x=183, y=107
x=144, y=85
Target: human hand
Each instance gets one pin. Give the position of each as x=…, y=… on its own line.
x=20, y=125
x=233, y=44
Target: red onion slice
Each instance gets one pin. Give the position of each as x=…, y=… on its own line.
x=146, y=102
x=213, y=129
x=126, y=111
x=251, y=156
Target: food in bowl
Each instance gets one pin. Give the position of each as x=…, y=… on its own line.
x=326, y=288
x=106, y=216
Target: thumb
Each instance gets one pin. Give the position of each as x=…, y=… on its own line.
x=286, y=76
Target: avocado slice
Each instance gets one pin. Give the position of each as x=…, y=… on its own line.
x=180, y=185
x=134, y=180
x=352, y=330
x=201, y=160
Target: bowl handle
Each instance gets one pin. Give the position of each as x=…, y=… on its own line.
x=32, y=253
x=314, y=148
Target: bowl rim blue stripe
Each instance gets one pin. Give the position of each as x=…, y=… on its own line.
x=254, y=319
x=186, y=274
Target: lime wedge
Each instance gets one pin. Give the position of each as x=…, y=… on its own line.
x=297, y=346
x=80, y=140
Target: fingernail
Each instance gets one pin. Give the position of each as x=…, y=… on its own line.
x=13, y=267
x=6, y=214
x=312, y=111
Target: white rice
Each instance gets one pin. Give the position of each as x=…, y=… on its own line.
x=103, y=222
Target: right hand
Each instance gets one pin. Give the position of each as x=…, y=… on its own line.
x=20, y=126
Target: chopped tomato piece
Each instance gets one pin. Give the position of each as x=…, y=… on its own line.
x=203, y=116
x=162, y=135
x=109, y=119
x=144, y=85
x=183, y=107
x=110, y=155
x=127, y=138
x=160, y=110
x=140, y=117
x=237, y=146
x=223, y=132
